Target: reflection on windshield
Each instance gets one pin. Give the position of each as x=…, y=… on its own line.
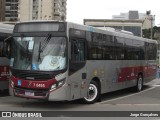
x=29, y=55
x=52, y=63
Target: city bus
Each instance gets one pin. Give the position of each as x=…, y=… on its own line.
x=5, y=32
x=64, y=61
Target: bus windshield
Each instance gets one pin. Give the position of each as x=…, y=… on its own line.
x=39, y=53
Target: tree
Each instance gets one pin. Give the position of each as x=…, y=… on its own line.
x=147, y=32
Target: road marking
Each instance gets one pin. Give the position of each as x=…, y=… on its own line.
x=133, y=104
x=126, y=96
x=155, y=85
x=8, y=105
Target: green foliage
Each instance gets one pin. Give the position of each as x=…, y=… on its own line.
x=147, y=32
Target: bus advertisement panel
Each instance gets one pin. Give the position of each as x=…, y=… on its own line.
x=59, y=61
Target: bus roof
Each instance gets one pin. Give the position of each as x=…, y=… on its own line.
x=6, y=28
x=114, y=32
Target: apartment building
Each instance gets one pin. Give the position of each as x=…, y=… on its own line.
x=9, y=10
x=42, y=10
x=2, y=10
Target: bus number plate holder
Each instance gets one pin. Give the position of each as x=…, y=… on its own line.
x=29, y=93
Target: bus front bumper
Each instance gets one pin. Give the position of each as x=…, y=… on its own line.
x=60, y=94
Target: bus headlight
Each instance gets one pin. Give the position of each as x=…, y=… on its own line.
x=58, y=84
x=53, y=87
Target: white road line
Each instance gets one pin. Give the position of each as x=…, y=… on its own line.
x=134, y=104
x=8, y=105
x=126, y=96
x=156, y=85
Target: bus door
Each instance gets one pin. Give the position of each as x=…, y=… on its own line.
x=4, y=64
x=77, y=69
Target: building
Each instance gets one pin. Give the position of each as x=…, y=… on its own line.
x=42, y=10
x=133, y=21
x=134, y=26
x=8, y=10
x=2, y=10
x=130, y=15
x=148, y=20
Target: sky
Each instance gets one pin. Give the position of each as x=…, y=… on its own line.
x=77, y=10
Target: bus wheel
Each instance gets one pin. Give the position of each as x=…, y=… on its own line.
x=93, y=93
x=139, y=85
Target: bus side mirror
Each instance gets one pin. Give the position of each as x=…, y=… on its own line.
x=7, y=47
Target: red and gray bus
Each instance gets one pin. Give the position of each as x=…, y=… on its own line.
x=5, y=32
x=59, y=61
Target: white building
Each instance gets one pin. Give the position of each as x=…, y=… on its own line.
x=134, y=26
x=148, y=20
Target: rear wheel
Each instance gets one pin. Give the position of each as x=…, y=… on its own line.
x=93, y=93
x=139, y=86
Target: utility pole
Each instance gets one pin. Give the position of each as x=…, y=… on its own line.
x=150, y=17
x=151, y=27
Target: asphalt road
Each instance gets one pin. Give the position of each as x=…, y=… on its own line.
x=148, y=99
x=123, y=100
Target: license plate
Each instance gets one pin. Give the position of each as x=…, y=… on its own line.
x=29, y=93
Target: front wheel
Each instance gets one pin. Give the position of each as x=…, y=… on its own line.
x=139, y=86
x=93, y=93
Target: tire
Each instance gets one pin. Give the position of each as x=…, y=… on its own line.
x=139, y=86
x=93, y=93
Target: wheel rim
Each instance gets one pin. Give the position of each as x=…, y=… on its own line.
x=140, y=84
x=92, y=93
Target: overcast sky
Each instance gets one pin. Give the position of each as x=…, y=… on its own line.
x=77, y=10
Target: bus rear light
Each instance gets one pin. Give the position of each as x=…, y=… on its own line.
x=58, y=84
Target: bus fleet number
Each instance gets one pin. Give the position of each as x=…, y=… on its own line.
x=39, y=85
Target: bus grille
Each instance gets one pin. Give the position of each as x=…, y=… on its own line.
x=32, y=76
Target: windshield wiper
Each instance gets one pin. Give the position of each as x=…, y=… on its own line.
x=43, y=46
x=39, y=52
x=46, y=41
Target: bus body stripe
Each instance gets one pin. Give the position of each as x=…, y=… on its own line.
x=131, y=73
